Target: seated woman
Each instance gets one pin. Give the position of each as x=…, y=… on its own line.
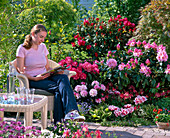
x=32, y=60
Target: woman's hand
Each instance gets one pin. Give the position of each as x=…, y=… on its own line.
x=41, y=77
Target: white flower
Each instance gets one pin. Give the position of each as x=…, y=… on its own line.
x=93, y=92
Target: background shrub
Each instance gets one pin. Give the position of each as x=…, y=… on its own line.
x=104, y=9
x=154, y=23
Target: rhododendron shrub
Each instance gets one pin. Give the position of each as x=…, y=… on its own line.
x=93, y=93
x=141, y=69
x=97, y=38
x=85, y=71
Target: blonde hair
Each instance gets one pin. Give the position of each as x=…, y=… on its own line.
x=28, y=39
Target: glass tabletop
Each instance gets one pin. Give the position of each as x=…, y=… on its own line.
x=16, y=100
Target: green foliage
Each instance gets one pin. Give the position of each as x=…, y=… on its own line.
x=50, y=13
x=154, y=23
x=104, y=9
x=146, y=111
x=99, y=113
x=163, y=103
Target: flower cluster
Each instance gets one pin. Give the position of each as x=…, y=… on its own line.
x=140, y=99
x=128, y=108
x=73, y=129
x=161, y=54
x=96, y=38
x=96, y=93
x=84, y=108
x=162, y=115
x=80, y=68
x=15, y=129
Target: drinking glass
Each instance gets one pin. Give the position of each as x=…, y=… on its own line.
x=29, y=95
x=32, y=91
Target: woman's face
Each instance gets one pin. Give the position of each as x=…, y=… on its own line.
x=39, y=37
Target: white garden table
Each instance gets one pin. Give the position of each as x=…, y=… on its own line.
x=40, y=104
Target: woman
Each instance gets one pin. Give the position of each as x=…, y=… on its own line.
x=32, y=60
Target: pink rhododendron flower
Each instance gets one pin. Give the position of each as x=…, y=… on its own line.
x=144, y=42
x=77, y=88
x=147, y=62
x=137, y=52
x=103, y=87
x=93, y=92
x=167, y=71
x=83, y=93
x=147, y=46
x=133, y=42
x=98, y=100
x=158, y=85
x=83, y=83
x=138, y=43
x=128, y=66
x=112, y=63
x=118, y=47
x=103, y=98
x=83, y=87
x=136, y=61
x=145, y=70
x=162, y=55
x=121, y=66
x=96, y=87
x=95, y=82
x=77, y=95
x=130, y=51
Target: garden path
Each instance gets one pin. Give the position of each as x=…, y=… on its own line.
x=120, y=132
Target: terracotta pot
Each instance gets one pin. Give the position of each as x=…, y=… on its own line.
x=162, y=125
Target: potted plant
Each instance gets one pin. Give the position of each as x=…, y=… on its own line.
x=162, y=118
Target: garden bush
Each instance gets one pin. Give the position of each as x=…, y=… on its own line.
x=154, y=23
x=142, y=69
x=103, y=9
x=97, y=38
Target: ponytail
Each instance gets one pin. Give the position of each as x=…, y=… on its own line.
x=27, y=42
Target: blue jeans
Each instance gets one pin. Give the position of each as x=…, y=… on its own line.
x=64, y=100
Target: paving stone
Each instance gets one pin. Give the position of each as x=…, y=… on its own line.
x=159, y=136
x=131, y=131
x=148, y=135
x=92, y=127
x=110, y=129
x=139, y=133
x=167, y=134
x=102, y=128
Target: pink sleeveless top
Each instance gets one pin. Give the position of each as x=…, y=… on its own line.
x=34, y=60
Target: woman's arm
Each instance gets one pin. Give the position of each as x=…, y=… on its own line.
x=20, y=68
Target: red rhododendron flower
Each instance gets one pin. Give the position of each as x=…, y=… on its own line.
x=96, y=54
